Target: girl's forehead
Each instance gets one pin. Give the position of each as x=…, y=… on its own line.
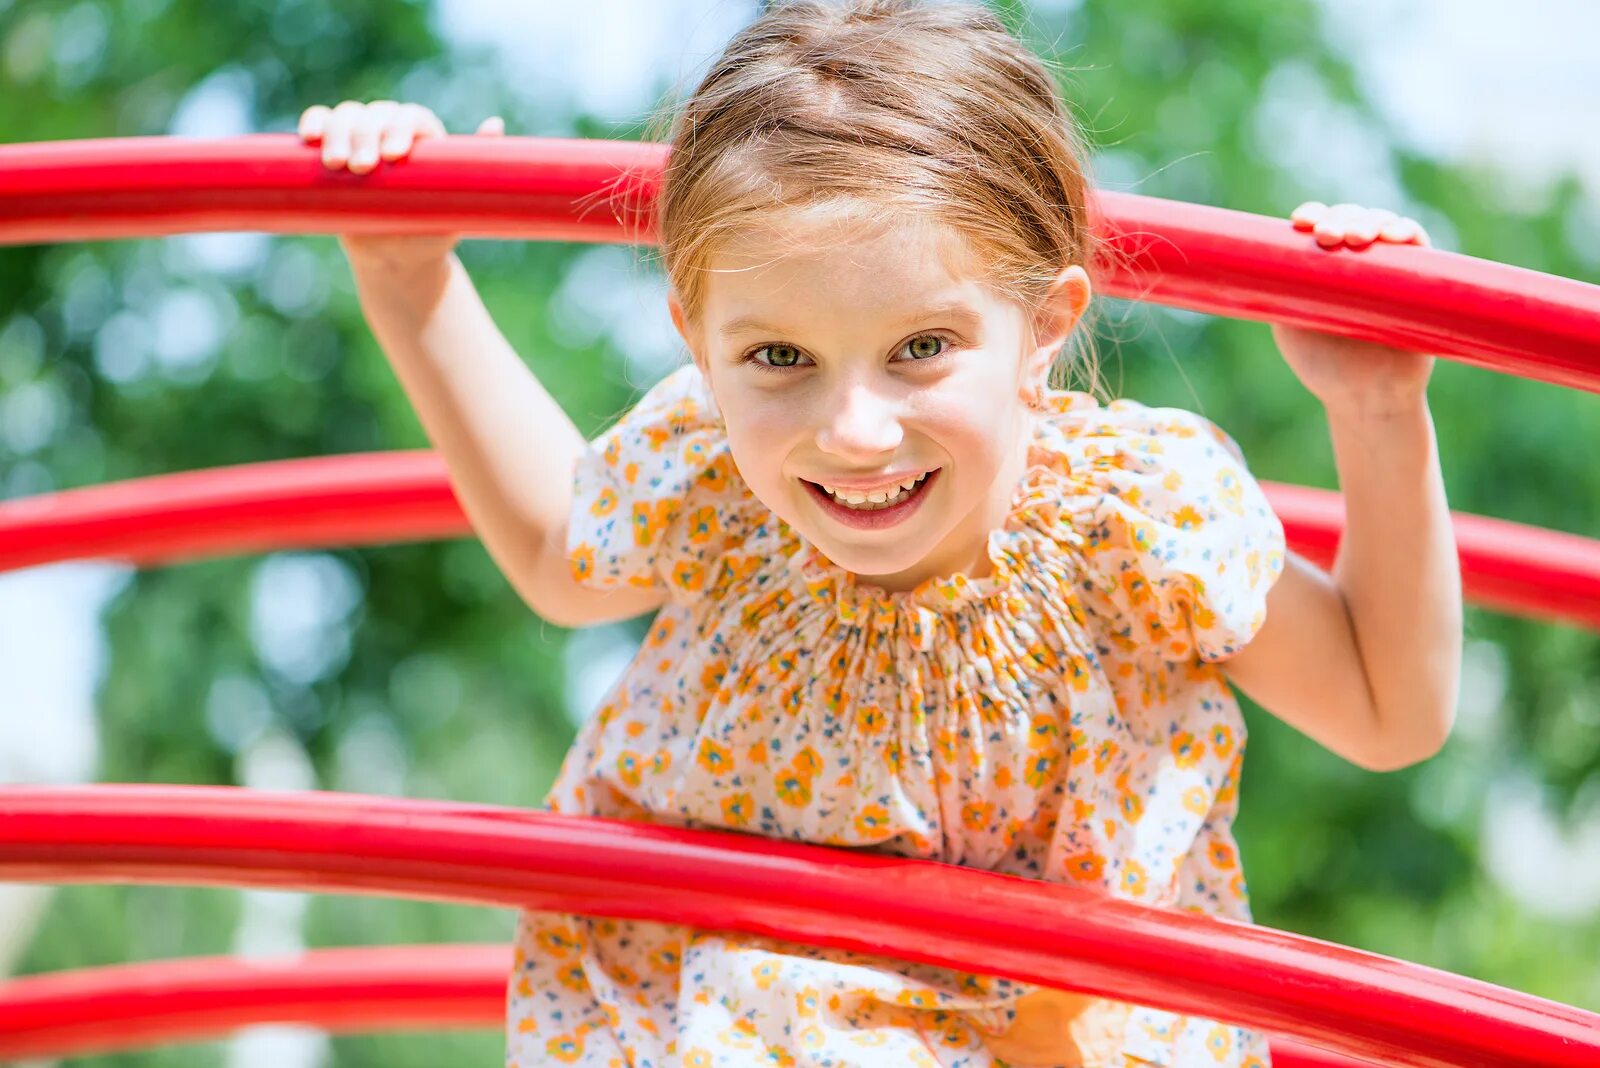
x=890, y=254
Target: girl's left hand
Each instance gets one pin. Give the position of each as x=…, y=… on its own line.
x=1349, y=376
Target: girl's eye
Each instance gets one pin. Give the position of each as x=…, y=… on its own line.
x=925, y=354
x=779, y=356
x=782, y=356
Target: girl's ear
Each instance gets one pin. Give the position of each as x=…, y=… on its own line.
x=681, y=322
x=1053, y=323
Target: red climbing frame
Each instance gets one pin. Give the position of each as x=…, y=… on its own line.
x=1325, y=1004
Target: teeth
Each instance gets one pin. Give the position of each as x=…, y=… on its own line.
x=870, y=502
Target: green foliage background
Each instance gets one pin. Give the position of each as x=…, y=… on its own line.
x=444, y=658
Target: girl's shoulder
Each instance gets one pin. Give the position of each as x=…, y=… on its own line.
x=1178, y=542
x=664, y=466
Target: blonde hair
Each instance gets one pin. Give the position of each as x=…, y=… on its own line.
x=861, y=109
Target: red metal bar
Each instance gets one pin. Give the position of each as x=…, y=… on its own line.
x=1355, y=1003
x=135, y=1006
x=1192, y=256
x=376, y=498
x=341, y=991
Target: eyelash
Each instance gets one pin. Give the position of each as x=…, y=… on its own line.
x=949, y=342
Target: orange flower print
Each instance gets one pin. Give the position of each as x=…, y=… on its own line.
x=1187, y=749
x=1039, y=769
x=1142, y=536
x=757, y=753
x=712, y=673
x=566, y=1048
x=1173, y=482
x=703, y=525
x=976, y=815
x=689, y=575
x=629, y=767
x=765, y=974
x=699, y=1057
x=661, y=633
x=660, y=761
x=1135, y=880
x=811, y=1037
x=664, y=961
x=714, y=757
x=1222, y=740
x=869, y=719
x=1135, y=587
x=794, y=788
x=737, y=809
x=1086, y=866
x=650, y=519
x=630, y=473
x=807, y=762
x=605, y=503
x=657, y=437
x=1220, y=1043
x=741, y=1035
x=573, y=978
x=871, y=819
x=1044, y=732
x=581, y=562
x=893, y=758
x=1186, y=518
x=1104, y=753
x=1222, y=856
x=718, y=474
x=917, y=999
x=805, y=1003
x=1132, y=806
x=1196, y=800
x=557, y=942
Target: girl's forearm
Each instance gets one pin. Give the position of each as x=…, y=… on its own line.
x=1399, y=575
x=509, y=448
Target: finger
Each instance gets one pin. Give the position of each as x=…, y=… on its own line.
x=336, y=134
x=1307, y=215
x=1405, y=231
x=1329, y=234
x=424, y=123
x=494, y=125
x=312, y=121
x=1362, y=231
x=368, y=132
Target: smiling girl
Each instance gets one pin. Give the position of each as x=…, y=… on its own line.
x=910, y=597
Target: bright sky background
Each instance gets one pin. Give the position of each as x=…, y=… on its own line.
x=1517, y=89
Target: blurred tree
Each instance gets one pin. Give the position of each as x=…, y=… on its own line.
x=415, y=669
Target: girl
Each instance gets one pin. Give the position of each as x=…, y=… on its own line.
x=910, y=597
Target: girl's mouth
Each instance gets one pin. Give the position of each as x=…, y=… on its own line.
x=877, y=511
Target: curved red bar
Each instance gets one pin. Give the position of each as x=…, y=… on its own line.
x=375, y=498
x=132, y=1006
x=1354, y=1003
x=390, y=988
x=1192, y=256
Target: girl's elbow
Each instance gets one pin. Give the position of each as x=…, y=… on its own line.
x=1399, y=755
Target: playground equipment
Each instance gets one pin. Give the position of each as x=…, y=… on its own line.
x=1324, y=1004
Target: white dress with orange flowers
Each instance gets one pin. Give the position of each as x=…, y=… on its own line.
x=1064, y=718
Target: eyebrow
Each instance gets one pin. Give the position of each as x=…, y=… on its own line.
x=947, y=310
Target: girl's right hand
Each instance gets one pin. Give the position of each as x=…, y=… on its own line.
x=356, y=135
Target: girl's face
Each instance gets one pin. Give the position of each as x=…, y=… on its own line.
x=847, y=374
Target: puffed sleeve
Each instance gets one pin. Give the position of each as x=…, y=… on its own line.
x=659, y=476
x=1180, y=542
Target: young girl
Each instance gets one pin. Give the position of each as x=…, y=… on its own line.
x=910, y=597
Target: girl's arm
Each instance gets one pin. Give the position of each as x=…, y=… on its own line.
x=1367, y=660
x=509, y=448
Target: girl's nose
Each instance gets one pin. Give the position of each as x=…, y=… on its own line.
x=859, y=425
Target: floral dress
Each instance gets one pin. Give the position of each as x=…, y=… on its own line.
x=1063, y=718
